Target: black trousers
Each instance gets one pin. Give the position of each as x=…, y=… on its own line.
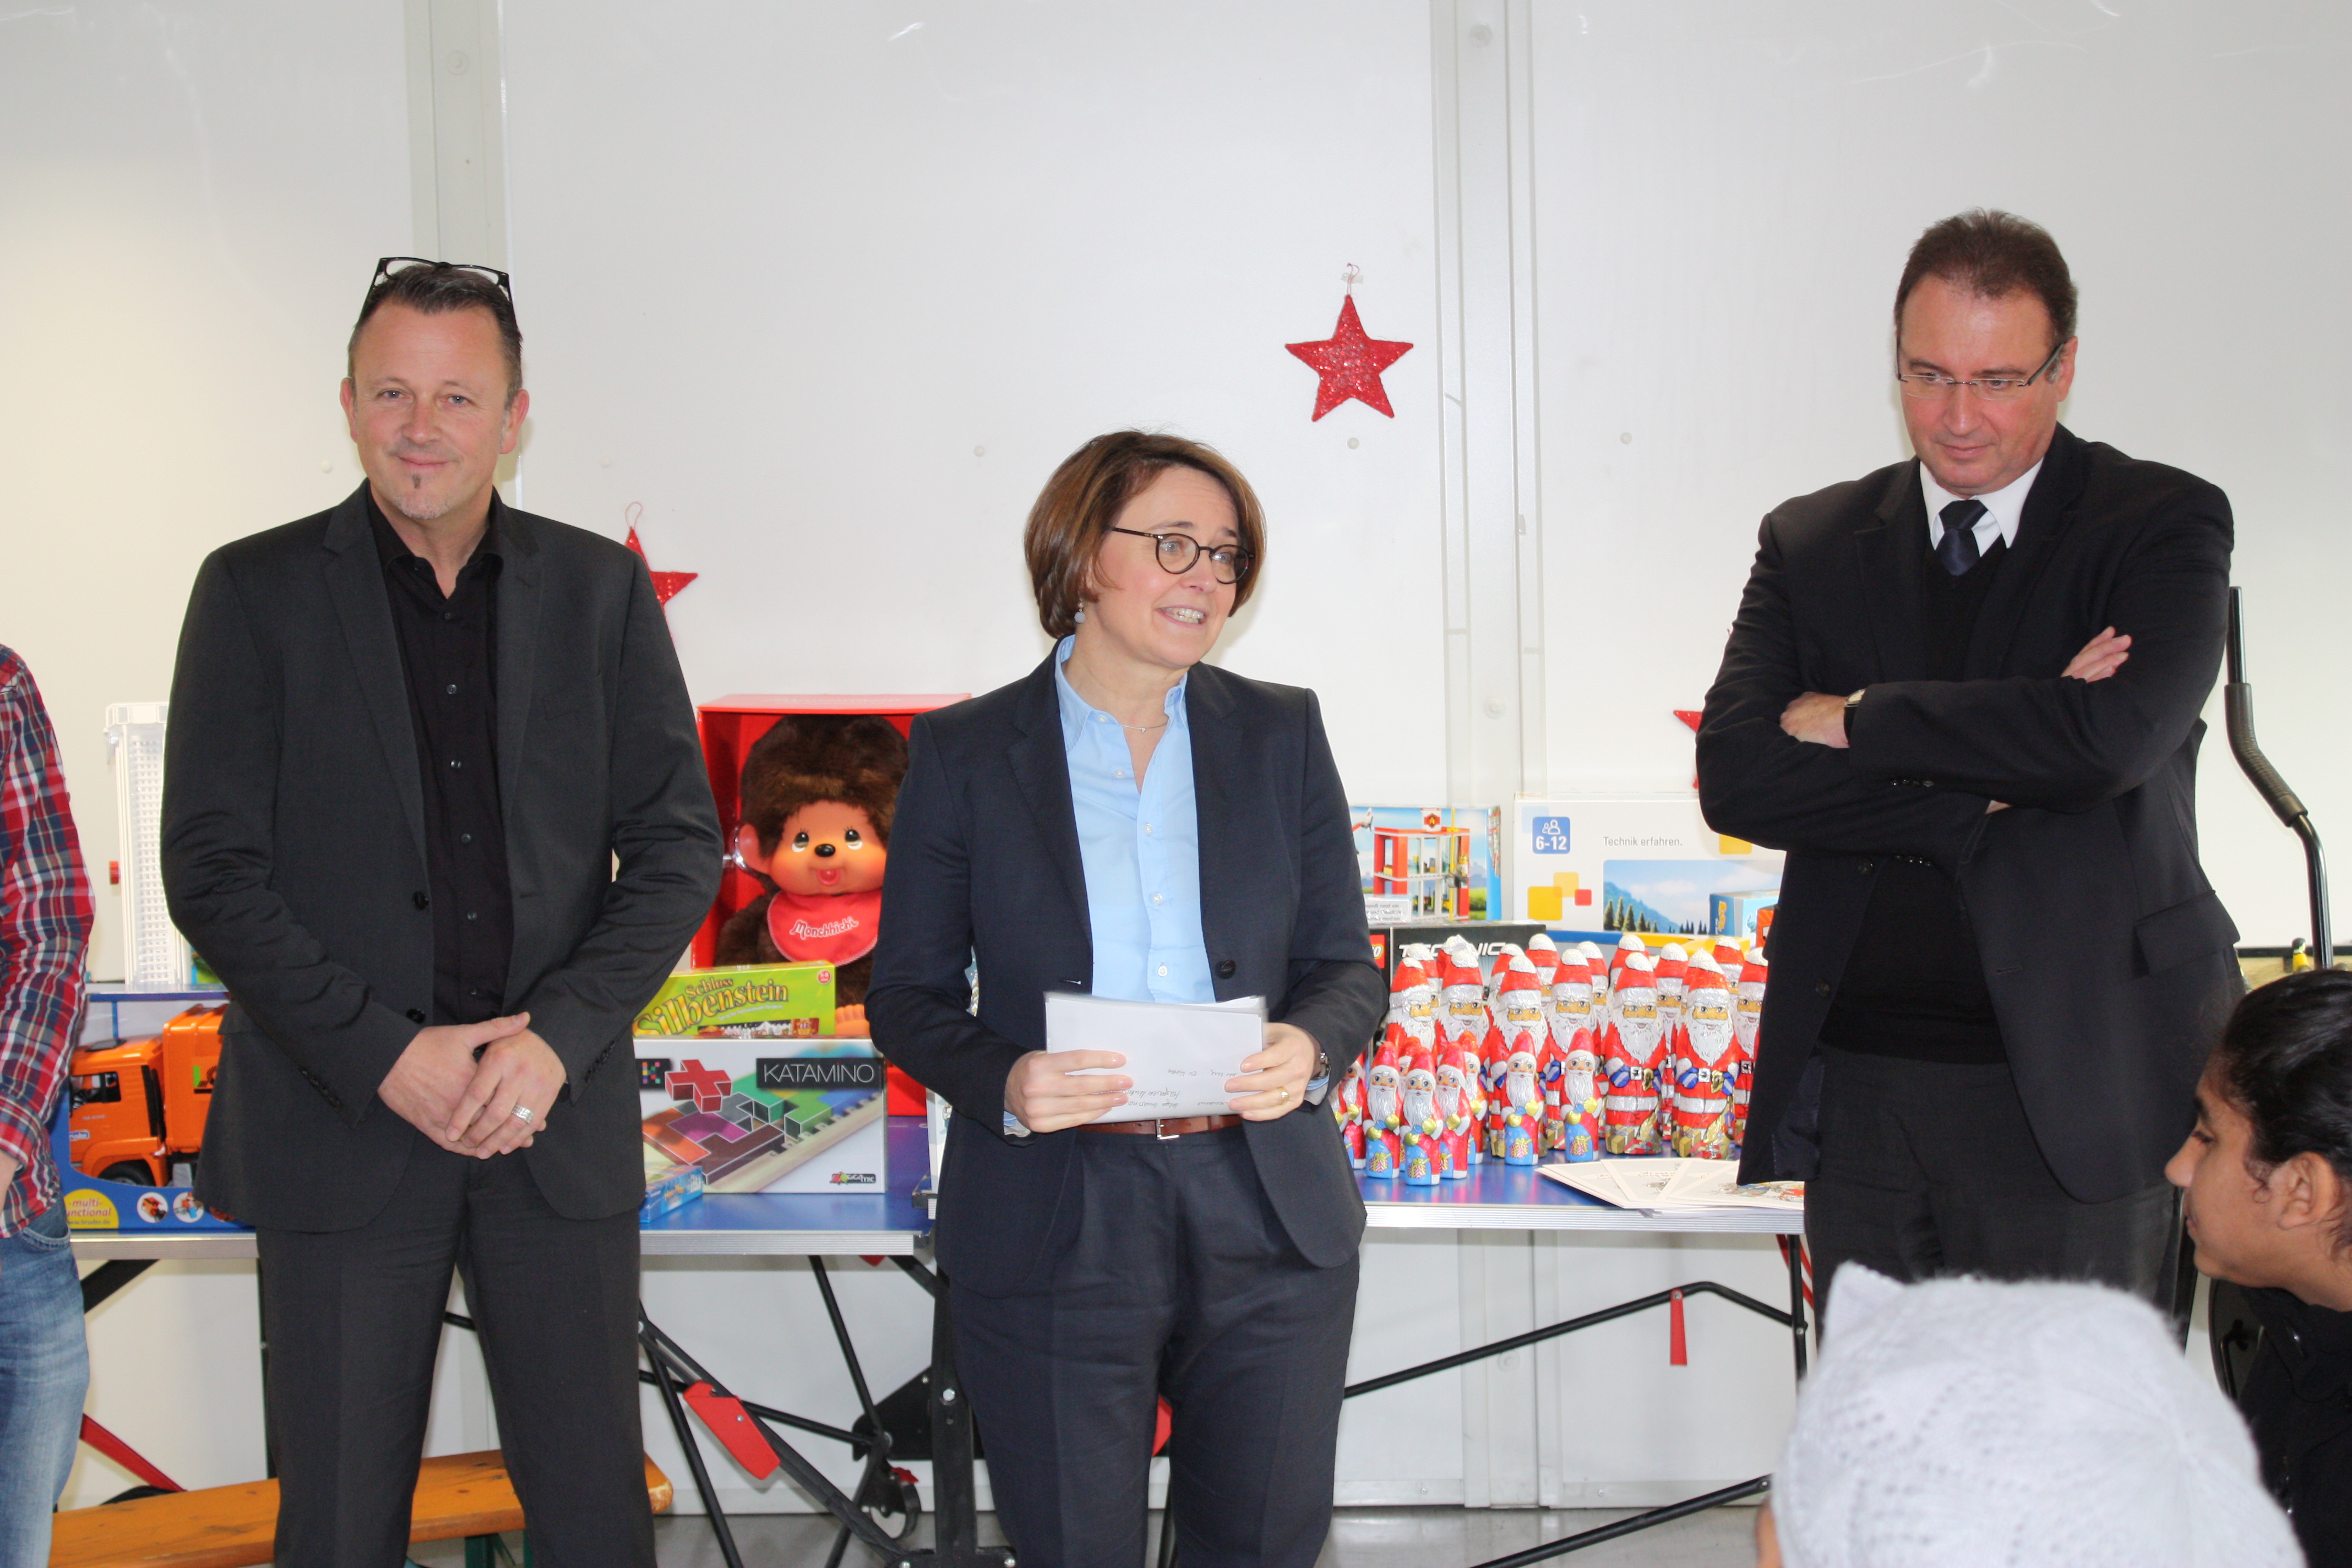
x=353, y=1321
x=1181, y=1281
x=1931, y=1168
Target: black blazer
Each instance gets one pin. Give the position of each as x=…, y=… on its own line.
x=984, y=865
x=294, y=854
x=2108, y=957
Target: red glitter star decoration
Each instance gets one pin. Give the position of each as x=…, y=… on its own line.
x=666, y=584
x=1351, y=363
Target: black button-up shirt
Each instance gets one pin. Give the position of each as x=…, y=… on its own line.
x=449, y=647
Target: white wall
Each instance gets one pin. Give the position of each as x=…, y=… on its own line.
x=191, y=196
x=830, y=290
x=827, y=290
x=1723, y=198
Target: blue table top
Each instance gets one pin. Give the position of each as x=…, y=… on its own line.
x=1496, y=1197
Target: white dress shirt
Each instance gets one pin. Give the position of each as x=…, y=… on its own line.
x=2003, y=507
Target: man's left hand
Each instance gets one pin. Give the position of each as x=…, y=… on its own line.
x=521, y=1072
x=1274, y=1082
x=1816, y=717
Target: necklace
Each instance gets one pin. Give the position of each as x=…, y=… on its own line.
x=1145, y=729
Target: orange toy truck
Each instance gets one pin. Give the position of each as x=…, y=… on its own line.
x=139, y=1105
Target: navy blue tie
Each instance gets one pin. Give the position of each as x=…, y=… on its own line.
x=1957, y=549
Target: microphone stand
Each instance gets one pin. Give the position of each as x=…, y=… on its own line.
x=2238, y=706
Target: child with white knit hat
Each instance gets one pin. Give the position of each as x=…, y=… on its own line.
x=1967, y=1424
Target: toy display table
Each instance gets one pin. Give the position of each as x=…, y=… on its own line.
x=895, y=1222
x=1516, y=1198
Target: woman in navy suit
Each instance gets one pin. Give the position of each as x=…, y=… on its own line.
x=1131, y=821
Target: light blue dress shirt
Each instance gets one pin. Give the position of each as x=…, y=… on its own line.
x=1141, y=851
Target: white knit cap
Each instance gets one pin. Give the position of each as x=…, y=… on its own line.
x=1965, y=1423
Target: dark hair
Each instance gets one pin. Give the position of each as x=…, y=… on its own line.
x=1073, y=514
x=439, y=287
x=2285, y=1062
x=1993, y=255
x=857, y=759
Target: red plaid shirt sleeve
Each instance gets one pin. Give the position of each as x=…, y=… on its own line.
x=45, y=916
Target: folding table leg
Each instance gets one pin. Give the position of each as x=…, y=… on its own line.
x=684, y=1427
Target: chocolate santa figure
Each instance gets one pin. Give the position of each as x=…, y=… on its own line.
x=1523, y=1108
x=1463, y=1023
x=1458, y=1106
x=1748, y=1015
x=1383, y=1112
x=1348, y=1110
x=818, y=791
x=1596, y=963
x=1705, y=1054
x=1569, y=1016
x=1517, y=1043
x=1671, y=960
x=1505, y=951
x=1420, y=1131
x=1581, y=1102
x=1633, y=1056
x=1544, y=953
x=1414, y=996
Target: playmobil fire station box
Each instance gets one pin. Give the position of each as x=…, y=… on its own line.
x=762, y=1116
x=131, y=1125
x=1594, y=869
x=749, y=1002
x=1429, y=862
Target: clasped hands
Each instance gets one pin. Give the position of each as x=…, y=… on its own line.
x=1818, y=718
x=460, y=1085
x=1049, y=1090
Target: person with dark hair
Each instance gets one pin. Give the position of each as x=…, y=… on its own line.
x=1132, y=822
x=1963, y=693
x=2266, y=1184
x=435, y=811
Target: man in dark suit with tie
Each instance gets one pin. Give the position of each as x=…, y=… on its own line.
x=435, y=810
x=1963, y=694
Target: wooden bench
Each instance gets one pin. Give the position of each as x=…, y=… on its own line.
x=226, y=1527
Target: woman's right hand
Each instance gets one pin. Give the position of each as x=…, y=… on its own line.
x=1043, y=1093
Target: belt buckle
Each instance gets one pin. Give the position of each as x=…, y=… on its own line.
x=1157, y=1124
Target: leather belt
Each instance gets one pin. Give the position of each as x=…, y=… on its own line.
x=1182, y=1126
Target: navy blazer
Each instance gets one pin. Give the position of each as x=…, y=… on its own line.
x=984, y=865
x=2106, y=952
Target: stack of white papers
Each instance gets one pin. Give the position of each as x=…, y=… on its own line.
x=1180, y=1054
x=1659, y=1184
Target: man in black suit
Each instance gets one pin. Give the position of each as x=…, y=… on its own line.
x=1963, y=694
x=436, y=811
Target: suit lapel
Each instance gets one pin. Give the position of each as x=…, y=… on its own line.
x=1041, y=766
x=355, y=583
x=2049, y=512
x=1216, y=758
x=519, y=584
x=1890, y=552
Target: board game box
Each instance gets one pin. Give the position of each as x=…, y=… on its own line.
x=762, y=1116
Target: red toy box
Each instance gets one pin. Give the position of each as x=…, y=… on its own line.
x=730, y=726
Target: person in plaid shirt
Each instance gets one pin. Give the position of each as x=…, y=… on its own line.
x=45, y=912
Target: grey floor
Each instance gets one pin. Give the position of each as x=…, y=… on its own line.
x=1360, y=1538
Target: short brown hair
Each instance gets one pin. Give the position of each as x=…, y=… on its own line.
x=1993, y=255
x=1074, y=511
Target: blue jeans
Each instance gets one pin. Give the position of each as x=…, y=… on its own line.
x=44, y=1373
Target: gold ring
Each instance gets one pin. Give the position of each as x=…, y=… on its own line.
x=1282, y=1091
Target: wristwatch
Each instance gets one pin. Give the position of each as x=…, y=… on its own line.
x=1852, y=703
